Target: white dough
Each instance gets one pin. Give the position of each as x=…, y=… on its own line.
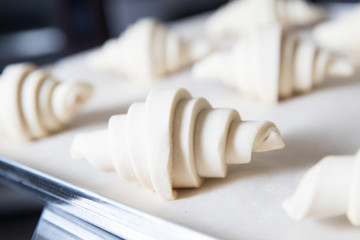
x=147, y=50
x=342, y=34
x=270, y=65
x=242, y=17
x=32, y=104
x=174, y=141
x=331, y=187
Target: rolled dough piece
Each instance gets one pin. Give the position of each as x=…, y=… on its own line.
x=271, y=65
x=174, y=141
x=331, y=187
x=147, y=50
x=33, y=104
x=341, y=35
x=241, y=17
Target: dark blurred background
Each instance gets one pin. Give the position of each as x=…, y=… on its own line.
x=43, y=31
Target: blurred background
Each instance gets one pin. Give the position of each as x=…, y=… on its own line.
x=43, y=31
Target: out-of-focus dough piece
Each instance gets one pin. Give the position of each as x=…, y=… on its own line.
x=341, y=35
x=174, y=141
x=270, y=65
x=33, y=104
x=147, y=50
x=331, y=187
x=242, y=17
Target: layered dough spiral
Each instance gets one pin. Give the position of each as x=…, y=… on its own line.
x=174, y=141
x=331, y=187
x=271, y=65
x=33, y=104
x=242, y=17
x=341, y=34
x=147, y=50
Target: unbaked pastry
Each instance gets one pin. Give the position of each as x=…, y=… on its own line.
x=342, y=34
x=242, y=17
x=174, y=141
x=147, y=50
x=33, y=104
x=331, y=187
x=270, y=64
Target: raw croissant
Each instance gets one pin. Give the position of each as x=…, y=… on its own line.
x=33, y=104
x=147, y=50
x=341, y=35
x=242, y=17
x=331, y=187
x=270, y=65
x=174, y=141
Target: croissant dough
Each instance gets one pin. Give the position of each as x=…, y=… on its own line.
x=33, y=104
x=331, y=187
x=270, y=64
x=147, y=50
x=342, y=34
x=243, y=17
x=174, y=141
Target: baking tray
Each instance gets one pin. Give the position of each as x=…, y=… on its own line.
x=73, y=212
x=245, y=205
